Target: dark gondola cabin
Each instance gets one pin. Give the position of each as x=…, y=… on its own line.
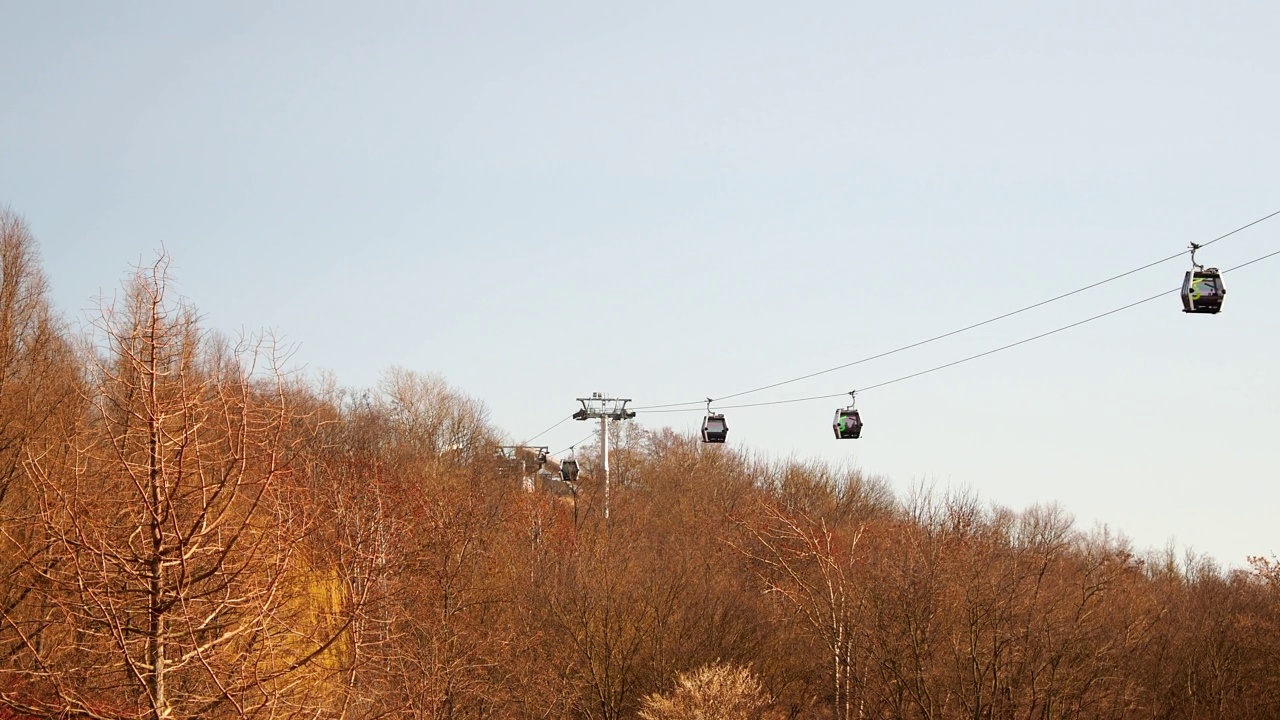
x=1202, y=291
x=569, y=470
x=714, y=428
x=847, y=424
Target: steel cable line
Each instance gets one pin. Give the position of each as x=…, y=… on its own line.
x=588, y=437
x=971, y=357
x=553, y=427
x=655, y=408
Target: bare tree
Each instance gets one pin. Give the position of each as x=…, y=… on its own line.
x=712, y=692
x=38, y=384
x=811, y=565
x=176, y=582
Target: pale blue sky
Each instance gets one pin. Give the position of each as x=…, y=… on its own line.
x=680, y=200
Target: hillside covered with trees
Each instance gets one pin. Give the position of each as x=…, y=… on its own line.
x=187, y=530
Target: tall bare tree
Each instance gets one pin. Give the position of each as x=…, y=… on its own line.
x=38, y=383
x=812, y=566
x=176, y=583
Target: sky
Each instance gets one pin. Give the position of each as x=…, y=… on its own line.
x=673, y=201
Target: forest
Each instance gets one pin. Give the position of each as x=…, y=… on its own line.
x=188, y=529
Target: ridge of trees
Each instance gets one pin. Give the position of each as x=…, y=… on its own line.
x=188, y=530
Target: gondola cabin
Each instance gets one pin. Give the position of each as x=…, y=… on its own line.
x=847, y=424
x=569, y=470
x=714, y=428
x=1202, y=291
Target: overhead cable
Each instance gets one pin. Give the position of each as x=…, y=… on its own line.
x=588, y=437
x=553, y=427
x=966, y=359
x=656, y=408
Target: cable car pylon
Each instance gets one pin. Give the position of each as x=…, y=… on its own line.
x=604, y=408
